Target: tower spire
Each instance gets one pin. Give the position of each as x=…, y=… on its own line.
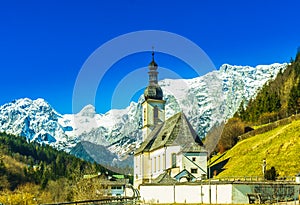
x=152, y=53
x=153, y=91
x=153, y=71
x=154, y=105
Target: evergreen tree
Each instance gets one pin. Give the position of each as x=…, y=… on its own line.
x=271, y=174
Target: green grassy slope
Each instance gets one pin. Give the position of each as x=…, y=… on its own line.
x=280, y=147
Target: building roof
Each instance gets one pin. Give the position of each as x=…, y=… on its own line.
x=184, y=173
x=173, y=132
x=164, y=178
x=118, y=176
x=153, y=92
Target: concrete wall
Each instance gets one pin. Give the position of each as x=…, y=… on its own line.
x=157, y=194
x=239, y=193
x=186, y=194
x=269, y=191
x=235, y=193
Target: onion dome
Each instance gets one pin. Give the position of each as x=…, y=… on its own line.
x=153, y=90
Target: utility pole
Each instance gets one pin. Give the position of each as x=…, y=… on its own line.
x=209, y=191
x=264, y=166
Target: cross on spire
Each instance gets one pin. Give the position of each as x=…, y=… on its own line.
x=152, y=53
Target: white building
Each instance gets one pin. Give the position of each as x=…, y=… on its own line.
x=169, y=147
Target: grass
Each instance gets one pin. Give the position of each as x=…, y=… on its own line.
x=280, y=147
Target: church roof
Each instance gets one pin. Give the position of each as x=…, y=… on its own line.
x=164, y=178
x=174, y=131
x=184, y=173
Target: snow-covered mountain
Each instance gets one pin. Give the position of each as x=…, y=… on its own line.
x=36, y=120
x=206, y=100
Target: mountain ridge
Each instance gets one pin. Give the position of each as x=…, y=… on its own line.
x=206, y=100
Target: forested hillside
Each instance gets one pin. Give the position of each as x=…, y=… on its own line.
x=277, y=99
x=40, y=171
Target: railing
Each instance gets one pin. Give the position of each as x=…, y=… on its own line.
x=252, y=178
x=110, y=200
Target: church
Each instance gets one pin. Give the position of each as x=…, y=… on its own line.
x=171, y=149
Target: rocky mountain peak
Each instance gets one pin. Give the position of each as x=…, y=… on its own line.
x=205, y=100
x=88, y=111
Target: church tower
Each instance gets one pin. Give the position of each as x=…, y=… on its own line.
x=154, y=105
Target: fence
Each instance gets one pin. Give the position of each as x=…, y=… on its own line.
x=110, y=200
x=253, y=179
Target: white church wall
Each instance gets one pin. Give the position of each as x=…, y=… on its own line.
x=169, y=151
x=142, y=169
x=157, y=158
x=190, y=159
x=146, y=168
x=148, y=115
x=148, y=111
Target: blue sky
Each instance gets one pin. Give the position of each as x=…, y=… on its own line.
x=44, y=44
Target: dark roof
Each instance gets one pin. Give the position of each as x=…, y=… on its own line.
x=174, y=131
x=153, y=92
x=153, y=63
x=184, y=173
x=164, y=178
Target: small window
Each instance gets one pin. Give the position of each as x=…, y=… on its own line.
x=194, y=159
x=164, y=136
x=155, y=115
x=158, y=163
x=194, y=170
x=173, y=160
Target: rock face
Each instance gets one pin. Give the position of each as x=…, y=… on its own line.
x=206, y=100
x=36, y=120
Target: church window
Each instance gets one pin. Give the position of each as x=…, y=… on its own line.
x=173, y=160
x=154, y=164
x=194, y=159
x=155, y=115
x=141, y=164
x=194, y=170
x=144, y=114
x=163, y=161
x=163, y=137
x=158, y=163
